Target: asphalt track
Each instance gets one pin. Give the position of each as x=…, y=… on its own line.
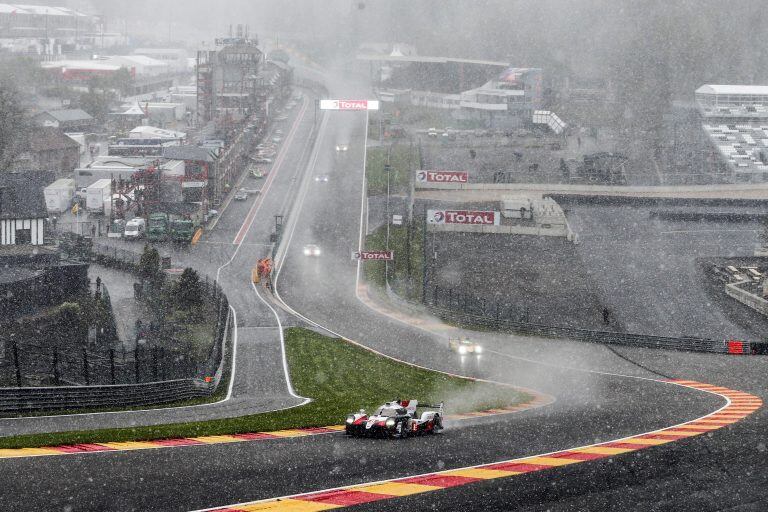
x=709, y=472
x=228, y=253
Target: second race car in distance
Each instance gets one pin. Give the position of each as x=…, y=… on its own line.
x=463, y=346
x=395, y=419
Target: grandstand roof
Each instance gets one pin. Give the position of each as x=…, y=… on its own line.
x=732, y=89
x=424, y=59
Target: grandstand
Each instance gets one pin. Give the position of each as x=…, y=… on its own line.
x=735, y=117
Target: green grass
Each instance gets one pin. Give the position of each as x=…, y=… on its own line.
x=338, y=375
x=399, y=279
x=403, y=158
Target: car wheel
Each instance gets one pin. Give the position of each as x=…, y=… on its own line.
x=404, y=431
x=438, y=424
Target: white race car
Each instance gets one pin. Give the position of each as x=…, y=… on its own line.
x=463, y=346
x=395, y=419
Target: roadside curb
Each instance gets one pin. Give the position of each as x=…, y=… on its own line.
x=122, y=446
x=739, y=405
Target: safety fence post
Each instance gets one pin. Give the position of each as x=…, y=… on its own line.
x=112, y=365
x=86, y=375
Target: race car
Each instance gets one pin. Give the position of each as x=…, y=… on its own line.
x=342, y=146
x=463, y=346
x=312, y=250
x=397, y=418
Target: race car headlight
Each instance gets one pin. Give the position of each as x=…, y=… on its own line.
x=307, y=252
x=478, y=349
x=462, y=350
x=390, y=422
x=350, y=419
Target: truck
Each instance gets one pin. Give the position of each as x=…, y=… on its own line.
x=182, y=230
x=157, y=228
x=58, y=195
x=134, y=228
x=97, y=194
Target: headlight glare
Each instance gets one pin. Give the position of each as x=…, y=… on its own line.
x=350, y=419
x=390, y=422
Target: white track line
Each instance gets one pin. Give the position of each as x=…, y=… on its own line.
x=232, y=309
x=481, y=465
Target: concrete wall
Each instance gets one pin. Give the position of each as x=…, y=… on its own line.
x=756, y=302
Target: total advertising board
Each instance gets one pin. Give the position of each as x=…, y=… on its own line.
x=472, y=217
x=442, y=176
x=349, y=104
x=373, y=255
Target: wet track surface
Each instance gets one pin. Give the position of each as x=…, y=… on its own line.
x=711, y=472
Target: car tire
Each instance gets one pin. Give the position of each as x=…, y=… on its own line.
x=404, y=431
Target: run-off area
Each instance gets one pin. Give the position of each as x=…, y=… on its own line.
x=638, y=267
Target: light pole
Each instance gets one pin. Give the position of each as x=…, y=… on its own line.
x=387, y=171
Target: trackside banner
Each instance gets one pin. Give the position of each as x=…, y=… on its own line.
x=373, y=255
x=349, y=104
x=463, y=217
x=442, y=176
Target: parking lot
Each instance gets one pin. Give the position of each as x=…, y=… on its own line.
x=528, y=157
x=646, y=269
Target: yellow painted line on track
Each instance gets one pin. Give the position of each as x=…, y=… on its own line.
x=118, y=446
x=405, y=486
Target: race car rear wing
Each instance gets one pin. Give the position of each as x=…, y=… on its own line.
x=411, y=405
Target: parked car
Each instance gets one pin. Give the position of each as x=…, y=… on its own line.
x=134, y=228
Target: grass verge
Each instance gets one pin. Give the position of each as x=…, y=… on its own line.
x=402, y=157
x=404, y=279
x=338, y=375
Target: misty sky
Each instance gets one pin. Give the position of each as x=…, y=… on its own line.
x=687, y=42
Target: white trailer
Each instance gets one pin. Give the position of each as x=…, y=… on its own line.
x=58, y=195
x=97, y=194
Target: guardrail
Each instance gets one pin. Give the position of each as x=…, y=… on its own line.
x=34, y=399
x=120, y=395
x=736, y=347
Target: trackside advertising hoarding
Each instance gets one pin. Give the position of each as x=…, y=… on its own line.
x=349, y=104
x=373, y=255
x=482, y=218
x=442, y=176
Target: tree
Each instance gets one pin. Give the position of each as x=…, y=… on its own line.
x=71, y=322
x=189, y=292
x=11, y=123
x=149, y=264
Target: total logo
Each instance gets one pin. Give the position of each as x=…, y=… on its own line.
x=442, y=176
x=349, y=104
x=352, y=105
x=488, y=218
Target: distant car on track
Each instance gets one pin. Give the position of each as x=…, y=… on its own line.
x=342, y=146
x=395, y=419
x=312, y=250
x=241, y=195
x=463, y=346
x=263, y=160
x=321, y=178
